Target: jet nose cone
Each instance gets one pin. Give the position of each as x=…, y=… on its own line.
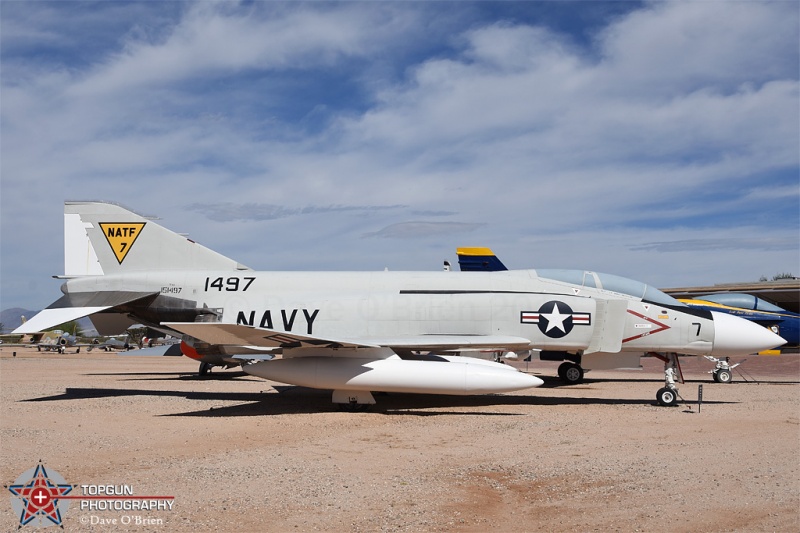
x=737, y=336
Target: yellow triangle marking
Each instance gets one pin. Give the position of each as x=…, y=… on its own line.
x=121, y=236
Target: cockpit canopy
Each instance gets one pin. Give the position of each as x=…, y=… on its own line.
x=610, y=282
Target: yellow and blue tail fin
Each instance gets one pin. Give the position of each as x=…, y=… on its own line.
x=478, y=260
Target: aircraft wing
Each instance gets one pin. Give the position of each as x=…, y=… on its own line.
x=241, y=335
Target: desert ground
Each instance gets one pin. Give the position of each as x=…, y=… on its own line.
x=239, y=453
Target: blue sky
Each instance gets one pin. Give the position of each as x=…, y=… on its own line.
x=657, y=141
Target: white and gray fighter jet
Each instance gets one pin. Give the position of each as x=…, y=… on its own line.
x=357, y=332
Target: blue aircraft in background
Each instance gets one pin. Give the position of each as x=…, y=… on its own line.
x=478, y=260
x=780, y=321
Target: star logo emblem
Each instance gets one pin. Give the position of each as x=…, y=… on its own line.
x=555, y=319
x=37, y=495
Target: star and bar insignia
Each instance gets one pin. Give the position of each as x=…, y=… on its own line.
x=555, y=319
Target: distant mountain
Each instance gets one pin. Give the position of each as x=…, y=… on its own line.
x=12, y=318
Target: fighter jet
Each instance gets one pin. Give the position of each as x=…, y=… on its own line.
x=57, y=341
x=359, y=332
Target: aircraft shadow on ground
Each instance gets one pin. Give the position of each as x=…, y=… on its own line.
x=556, y=383
x=302, y=400
x=180, y=376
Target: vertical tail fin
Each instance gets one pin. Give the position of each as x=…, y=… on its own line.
x=478, y=260
x=103, y=238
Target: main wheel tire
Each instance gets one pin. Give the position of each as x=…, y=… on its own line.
x=353, y=407
x=724, y=376
x=570, y=373
x=666, y=397
x=205, y=368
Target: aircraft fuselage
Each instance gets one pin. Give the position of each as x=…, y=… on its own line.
x=552, y=315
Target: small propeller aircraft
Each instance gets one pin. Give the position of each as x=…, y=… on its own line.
x=359, y=332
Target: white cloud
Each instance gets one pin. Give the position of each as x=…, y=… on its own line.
x=422, y=230
x=507, y=132
x=688, y=46
x=219, y=39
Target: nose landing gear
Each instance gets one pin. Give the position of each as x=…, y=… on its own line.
x=668, y=394
x=722, y=369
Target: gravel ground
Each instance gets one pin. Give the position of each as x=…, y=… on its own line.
x=240, y=455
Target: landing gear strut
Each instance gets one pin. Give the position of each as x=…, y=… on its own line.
x=722, y=370
x=668, y=394
x=353, y=401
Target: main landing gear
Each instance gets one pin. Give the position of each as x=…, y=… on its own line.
x=570, y=373
x=667, y=396
x=205, y=369
x=353, y=401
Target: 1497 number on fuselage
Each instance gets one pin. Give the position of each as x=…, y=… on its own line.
x=229, y=284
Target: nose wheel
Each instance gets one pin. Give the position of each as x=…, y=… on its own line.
x=722, y=376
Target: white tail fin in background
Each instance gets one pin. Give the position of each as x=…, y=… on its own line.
x=103, y=238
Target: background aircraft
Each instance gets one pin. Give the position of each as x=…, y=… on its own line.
x=478, y=260
x=784, y=323
x=13, y=339
x=357, y=332
x=60, y=341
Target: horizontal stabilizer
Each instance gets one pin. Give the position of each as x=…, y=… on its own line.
x=100, y=299
x=73, y=306
x=53, y=317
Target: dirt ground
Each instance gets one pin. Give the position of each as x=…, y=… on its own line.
x=239, y=455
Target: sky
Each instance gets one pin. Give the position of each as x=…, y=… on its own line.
x=657, y=141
